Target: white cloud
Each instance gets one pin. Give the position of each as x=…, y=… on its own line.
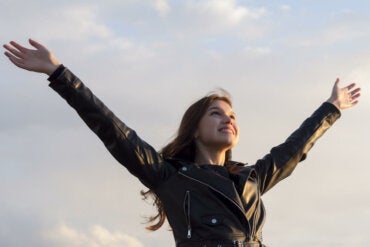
x=344, y=27
x=215, y=17
x=96, y=236
x=285, y=7
x=261, y=50
x=332, y=35
x=82, y=26
x=228, y=11
x=162, y=7
x=74, y=22
x=84, y=21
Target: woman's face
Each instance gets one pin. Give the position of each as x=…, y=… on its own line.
x=218, y=128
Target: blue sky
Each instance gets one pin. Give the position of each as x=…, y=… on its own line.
x=148, y=60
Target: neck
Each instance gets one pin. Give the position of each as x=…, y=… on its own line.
x=212, y=157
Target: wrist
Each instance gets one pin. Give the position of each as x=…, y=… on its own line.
x=51, y=68
x=334, y=102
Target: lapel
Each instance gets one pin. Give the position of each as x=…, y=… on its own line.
x=217, y=183
x=240, y=174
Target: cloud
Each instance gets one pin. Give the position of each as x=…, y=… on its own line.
x=60, y=22
x=285, y=7
x=79, y=22
x=227, y=12
x=162, y=7
x=332, y=35
x=343, y=27
x=95, y=236
x=257, y=51
x=83, y=22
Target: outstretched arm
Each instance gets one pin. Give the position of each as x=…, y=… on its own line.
x=40, y=60
x=123, y=143
x=282, y=159
x=345, y=97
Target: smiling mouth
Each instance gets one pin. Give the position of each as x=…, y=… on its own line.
x=227, y=130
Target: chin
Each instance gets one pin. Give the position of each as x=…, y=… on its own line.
x=230, y=144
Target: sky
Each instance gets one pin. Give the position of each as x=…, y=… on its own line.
x=148, y=60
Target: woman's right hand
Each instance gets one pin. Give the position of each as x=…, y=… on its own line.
x=40, y=60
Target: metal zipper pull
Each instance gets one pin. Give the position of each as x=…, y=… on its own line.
x=189, y=233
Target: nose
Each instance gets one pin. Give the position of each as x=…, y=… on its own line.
x=228, y=120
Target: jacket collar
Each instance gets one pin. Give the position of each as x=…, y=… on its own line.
x=218, y=183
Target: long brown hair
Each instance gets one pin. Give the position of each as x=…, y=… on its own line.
x=183, y=145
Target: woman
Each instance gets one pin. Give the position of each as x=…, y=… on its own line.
x=208, y=199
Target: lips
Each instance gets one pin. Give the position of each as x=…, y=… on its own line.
x=227, y=129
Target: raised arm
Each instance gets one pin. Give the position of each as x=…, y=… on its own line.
x=123, y=143
x=282, y=159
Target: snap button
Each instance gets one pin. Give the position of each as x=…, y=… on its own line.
x=214, y=221
x=184, y=168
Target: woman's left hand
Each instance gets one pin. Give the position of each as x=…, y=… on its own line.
x=345, y=97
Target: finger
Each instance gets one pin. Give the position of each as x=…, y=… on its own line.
x=16, y=61
x=349, y=87
x=355, y=91
x=8, y=54
x=19, y=47
x=11, y=49
x=36, y=44
x=355, y=96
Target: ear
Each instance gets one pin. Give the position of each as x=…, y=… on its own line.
x=196, y=134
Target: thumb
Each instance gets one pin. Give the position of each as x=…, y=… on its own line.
x=336, y=83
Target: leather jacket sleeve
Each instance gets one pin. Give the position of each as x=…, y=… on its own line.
x=122, y=142
x=282, y=159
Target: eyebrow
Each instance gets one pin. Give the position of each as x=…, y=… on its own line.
x=218, y=108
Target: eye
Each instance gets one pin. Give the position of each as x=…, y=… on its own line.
x=233, y=116
x=215, y=113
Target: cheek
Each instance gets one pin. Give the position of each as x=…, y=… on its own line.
x=207, y=123
x=235, y=140
x=206, y=128
x=236, y=128
x=205, y=131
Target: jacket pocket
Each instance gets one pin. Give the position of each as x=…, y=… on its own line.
x=186, y=205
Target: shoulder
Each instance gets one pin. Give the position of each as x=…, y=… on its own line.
x=177, y=163
x=235, y=167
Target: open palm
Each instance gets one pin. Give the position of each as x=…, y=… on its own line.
x=39, y=60
x=345, y=97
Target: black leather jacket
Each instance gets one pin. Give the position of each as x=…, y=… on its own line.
x=205, y=205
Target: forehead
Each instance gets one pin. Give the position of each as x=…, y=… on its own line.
x=220, y=104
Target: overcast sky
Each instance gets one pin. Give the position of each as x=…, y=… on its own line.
x=148, y=60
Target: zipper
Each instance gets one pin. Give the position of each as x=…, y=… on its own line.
x=255, y=218
x=263, y=211
x=187, y=212
x=259, y=210
x=188, y=193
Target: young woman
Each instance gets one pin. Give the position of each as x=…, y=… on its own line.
x=208, y=199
